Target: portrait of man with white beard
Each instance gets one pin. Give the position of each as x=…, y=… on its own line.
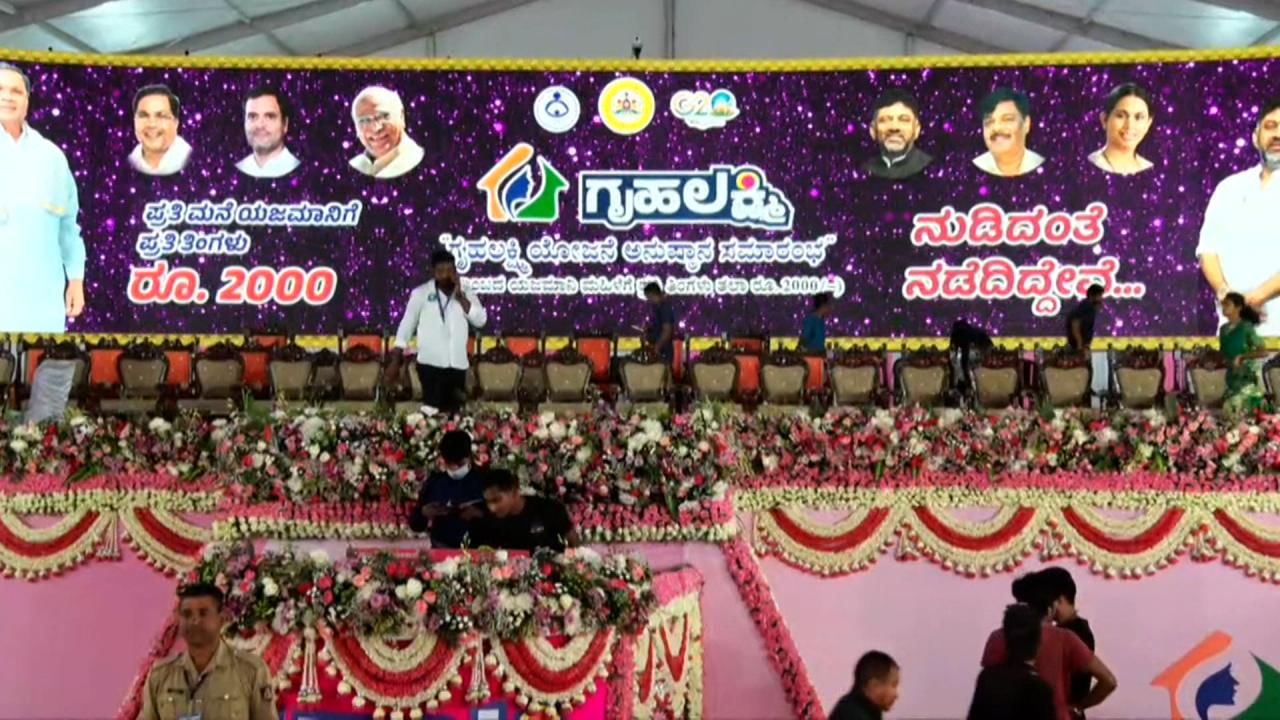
x=379, y=117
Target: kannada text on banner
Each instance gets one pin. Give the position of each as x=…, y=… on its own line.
x=562, y=193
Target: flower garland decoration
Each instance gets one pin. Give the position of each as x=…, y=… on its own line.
x=167, y=541
x=383, y=594
x=33, y=554
x=754, y=589
x=1122, y=534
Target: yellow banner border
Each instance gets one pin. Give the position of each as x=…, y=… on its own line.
x=630, y=343
x=622, y=65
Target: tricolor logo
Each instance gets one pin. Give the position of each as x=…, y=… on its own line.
x=1217, y=674
x=511, y=193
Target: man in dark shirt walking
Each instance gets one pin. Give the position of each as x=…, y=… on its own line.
x=451, y=500
x=1081, y=319
x=875, y=689
x=518, y=522
x=660, y=335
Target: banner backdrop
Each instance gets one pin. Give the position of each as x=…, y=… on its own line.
x=561, y=193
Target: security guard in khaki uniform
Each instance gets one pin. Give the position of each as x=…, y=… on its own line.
x=211, y=680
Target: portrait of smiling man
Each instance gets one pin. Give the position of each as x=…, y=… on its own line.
x=895, y=126
x=267, y=114
x=42, y=276
x=1006, y=122
x=157, y=115
x=389, y=152
x=1239, y=247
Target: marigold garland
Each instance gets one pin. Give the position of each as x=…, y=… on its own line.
x=545, y=682
x=1127, y=547
x=164, y=539
x=846, y=546
x=974, y=548
x=398, y=684
x=34, y=553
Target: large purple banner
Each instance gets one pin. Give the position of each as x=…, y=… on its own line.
x=216, y=200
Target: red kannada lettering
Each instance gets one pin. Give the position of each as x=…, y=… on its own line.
x=988, y=224
x=158, y=284
x=1046, y=283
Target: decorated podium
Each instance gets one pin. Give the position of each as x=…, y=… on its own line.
x=412, y=633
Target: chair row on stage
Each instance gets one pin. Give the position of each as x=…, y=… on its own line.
x=518, y=372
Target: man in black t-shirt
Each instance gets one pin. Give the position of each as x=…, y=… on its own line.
x=1062, y=588
x=517, y=522
x=1081, y=319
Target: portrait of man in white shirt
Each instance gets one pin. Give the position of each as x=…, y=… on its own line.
x=441, y=314
x=157, y=116
x=379, y=118
x=42, y=276
x=1239, y=248
x=1006, y=122
x=267, y=113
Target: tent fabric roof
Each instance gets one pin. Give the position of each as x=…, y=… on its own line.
x=370, y=27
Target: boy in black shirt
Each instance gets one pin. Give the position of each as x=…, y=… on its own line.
x=1062, y=588
x=518, y=522
x=451, y=500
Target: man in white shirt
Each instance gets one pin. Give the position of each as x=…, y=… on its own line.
x=266, y=122
x=441, y=313
x=42, y=272
x=389, y=152
x=1006, y=122
x=156, y=119
x=1239, y=247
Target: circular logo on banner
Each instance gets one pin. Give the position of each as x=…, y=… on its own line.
x=556, y=109
x=626, y=106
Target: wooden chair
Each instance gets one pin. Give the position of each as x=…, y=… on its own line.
x=143, y=369
x=996, y=380
x=1271, y=379
x=715, y=375
x=1206, y=377
x=181, y=374
x=784, y=384
x=291, y=373
x=567, y=374
x=857, y=378
x=326, y=386
x=50, y=349
x=1066, y=378
x=219, y=381
x=646, y=384
x=360, y=380
x=498, y=379
x=923, y=377
x=367, y=337
x=1137, y=378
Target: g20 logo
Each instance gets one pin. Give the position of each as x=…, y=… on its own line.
x=704, y=110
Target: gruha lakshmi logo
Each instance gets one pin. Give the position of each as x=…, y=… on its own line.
x=1217, y=671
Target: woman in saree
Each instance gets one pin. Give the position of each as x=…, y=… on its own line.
x=1239, y=343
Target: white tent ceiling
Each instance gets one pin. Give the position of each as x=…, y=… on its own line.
x=668, y=28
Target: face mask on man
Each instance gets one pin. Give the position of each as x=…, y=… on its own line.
x=459, y=472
